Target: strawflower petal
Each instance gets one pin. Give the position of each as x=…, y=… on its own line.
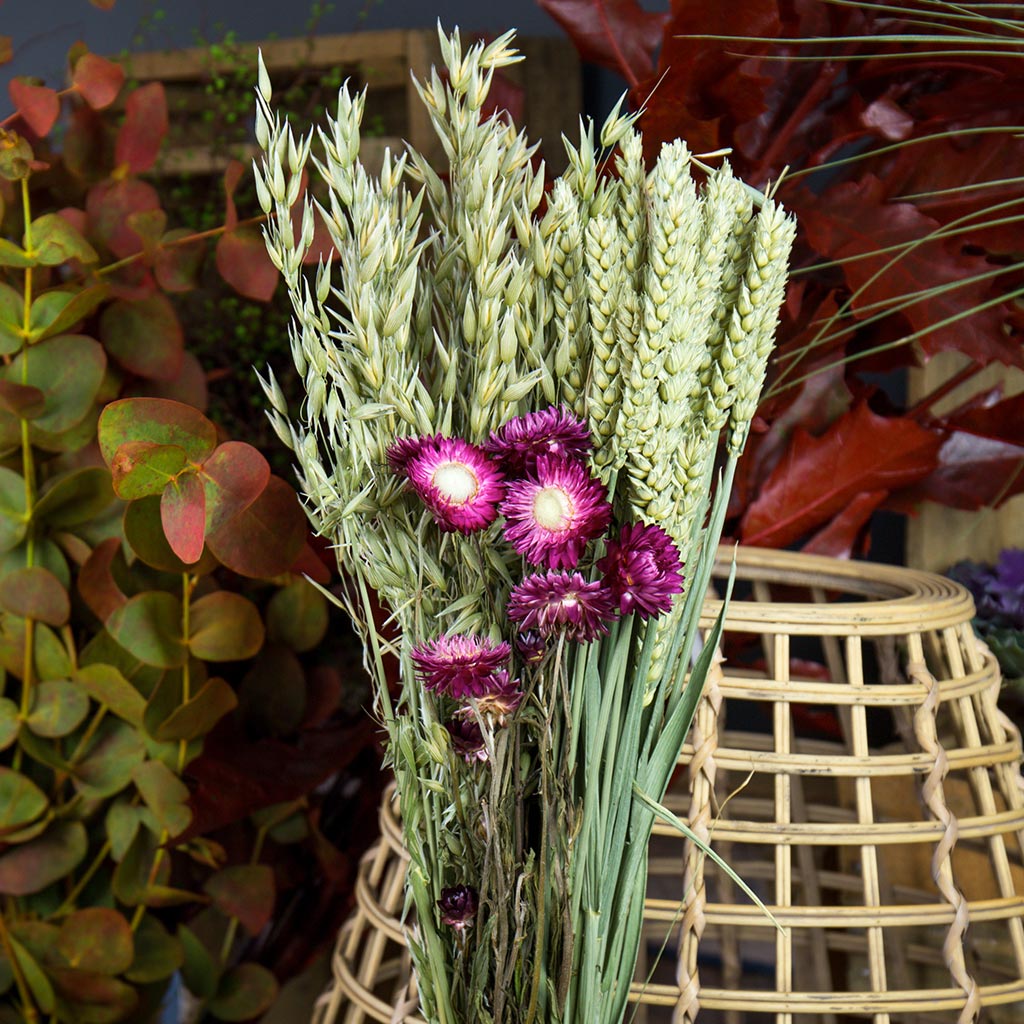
x=518, y=443
x=462, y=665
x=553, y=603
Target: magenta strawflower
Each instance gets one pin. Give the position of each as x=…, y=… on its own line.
x=498, y=702
x=552, y=512
x=518, y=443
x=467, y=739
x=643, y=570
x=462, y=665
x=402, y=449
x=455, y=480
x=561, y=602
x=458, y=905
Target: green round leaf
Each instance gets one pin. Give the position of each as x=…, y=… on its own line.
x=141, y=468
x=157, y=954
x=108, y=686
x=110, y=760
x=144, y=532
x=55, y=241
x=149, y=626
x=122, y=823
x=245, y=891
x=58, y=708
x=68, y=370
x=75, y=498
x=157, y=421
x=35, y=593
x=39, y=985
x=21, y=801
x=165, y=795
x=57, y=311
x=20, y=400
x=244, y=992
x=13, y=522
x=199, y=970
x=97, y=998
x=225, y=627
x=47, y=555
x=96, y=939
x=199, y=715
x=10, y=722
x=33, y=866
x=144, y=336
x=297, y=616
x=12, y=315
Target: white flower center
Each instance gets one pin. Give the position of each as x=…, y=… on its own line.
x=456, y=482
x=552, y=508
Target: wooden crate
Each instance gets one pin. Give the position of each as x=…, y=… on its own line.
x=201, y=81
x=938, y=536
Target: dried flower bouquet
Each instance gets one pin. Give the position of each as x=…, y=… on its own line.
x=516, y=396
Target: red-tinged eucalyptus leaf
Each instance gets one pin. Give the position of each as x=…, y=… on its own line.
x=98, y=80
x=75, y=498
x=55, y=240
x=225, y=627
x=309, y=563
x=189, y=386
x=242, y=260
x=973, y=472
x=234, y=476
x=60, y=310
x=96, y=939
x=144, y=336
x=96, y=584
x=149, y=626
x=36, y=865
x=265, y=539
x=232, y=176
x=297, y=616
x=110, y=759
x=110, y=204
x=13, y=520
x=236, y=775
x=141, y=468
x=10, y=722
x=38, y=105
x=245, y=992
x=35, y=593
x=21, y=400
x=183, y=516
x=816, y=477
x=108, y=686
x=21, y=801
x=138, y=867
x=145, y=125
x=856, y=219
x=177, y=261
x=158, y=954
x=58, y=708
x=323, y=694
x=842, y=538
x=97, y=998
x=164, y=794
x=144, y=531
x=196, y=717
x=150, y=226
x=617, y=34
x=159, y=421
x=245, y=891
x=83, y=149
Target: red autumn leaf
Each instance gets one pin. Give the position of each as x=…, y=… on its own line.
x=178, y=259
x=233, y=477
x=243, y=262
x=857, y=219
x=110, y=204
x=38, y=105
x=96, y=583
x=145, y=125
x=183, y=515
x=817, y=477
x=617, y=34
x=1001, y=421
x=840, y=537
x=98, y=80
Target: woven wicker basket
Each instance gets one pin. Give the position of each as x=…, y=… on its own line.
x=867, y=787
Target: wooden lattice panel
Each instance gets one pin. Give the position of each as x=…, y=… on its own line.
x=849, y=761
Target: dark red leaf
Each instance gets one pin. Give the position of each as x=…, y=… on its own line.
x=183, y=514
x=841, y=536
x=98, y=80
x=617, y=34
x=243, y=262
x=245, y=891
x=37, y=104
x=110, y=204
x=310, y=564
x=177, y=260
x=96, y=583
x=145, y=125
x=144, y=336
x=817, y=477
x=1000, y=421
x=234, y=477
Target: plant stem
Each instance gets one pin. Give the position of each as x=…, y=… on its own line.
x=27, y=1005
x=69, y=902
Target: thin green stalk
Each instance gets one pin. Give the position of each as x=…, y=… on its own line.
x=28, y=1006
x=69, y=901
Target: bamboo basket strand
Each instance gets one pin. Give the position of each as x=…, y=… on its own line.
x=849, y=759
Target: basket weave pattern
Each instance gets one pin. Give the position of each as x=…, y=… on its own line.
x=849, y=761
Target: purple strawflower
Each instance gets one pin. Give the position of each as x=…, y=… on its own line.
x=461, y=666
x=454, y=479
x=561, y=602
x=643, y=570
x=531, y=647
x=518, y=443
x=458, y=906
x=403, y=449
x=552, y=512
x=503, y=697
x=467, y=739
